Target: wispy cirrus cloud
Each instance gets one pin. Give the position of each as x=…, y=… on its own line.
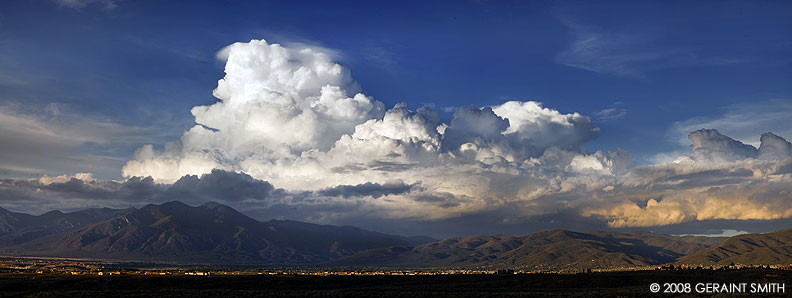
x=57, y=139
x=624, y=53
x=613, y=112
x=78, y=4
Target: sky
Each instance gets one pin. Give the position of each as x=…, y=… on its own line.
x=441, y=118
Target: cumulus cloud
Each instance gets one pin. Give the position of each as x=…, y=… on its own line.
x=710, y=145
x=538, y=128
x=84, y=177
x=474, y=125
x=774, y=147
x=722, y=179
x=274, y=103
x=293, y=117
x=742, y=198
x=745, y=122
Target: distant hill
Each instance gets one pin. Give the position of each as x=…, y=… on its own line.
x=557, y=249
x=768, y=248
x=173, y=231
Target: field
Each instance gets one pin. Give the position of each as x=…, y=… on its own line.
x=627, y=284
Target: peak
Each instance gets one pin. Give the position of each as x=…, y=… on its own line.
x=174, y=204
x=6, y=212
x=212, y=205
x=220, y=208
x=166, y=205
x=549, y=234
x=557, y=231
x=53, y=213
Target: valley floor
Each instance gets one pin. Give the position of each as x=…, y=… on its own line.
x=603, y=284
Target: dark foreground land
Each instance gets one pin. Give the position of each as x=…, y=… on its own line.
x=626, y=284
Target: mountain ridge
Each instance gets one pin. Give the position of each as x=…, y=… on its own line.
x=551, y=249
x=16, y=227
x=757, y=249
x=213, y=233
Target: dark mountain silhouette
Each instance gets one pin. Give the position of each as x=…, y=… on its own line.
x=766, y=249
x=210, y=233
x=18, y=228
x=557, y=249
x=11, y=221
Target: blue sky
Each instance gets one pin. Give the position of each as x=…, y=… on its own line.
x=145, y=63
x=85, y=85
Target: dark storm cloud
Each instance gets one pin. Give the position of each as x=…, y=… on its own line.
x=220, y=185
x=38, y=196
x=473, y=124
x=375, y=190
x=703, y=178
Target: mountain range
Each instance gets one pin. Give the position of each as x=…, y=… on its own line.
x=175, y=232
x=766, y=249
x=213, y=233
x=556, y=249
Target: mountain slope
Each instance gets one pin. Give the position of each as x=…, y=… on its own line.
x=11, y=221
x=210, y=233
x=674, y=246
x=18, y=228
x=556, y=249
x=768, y=248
